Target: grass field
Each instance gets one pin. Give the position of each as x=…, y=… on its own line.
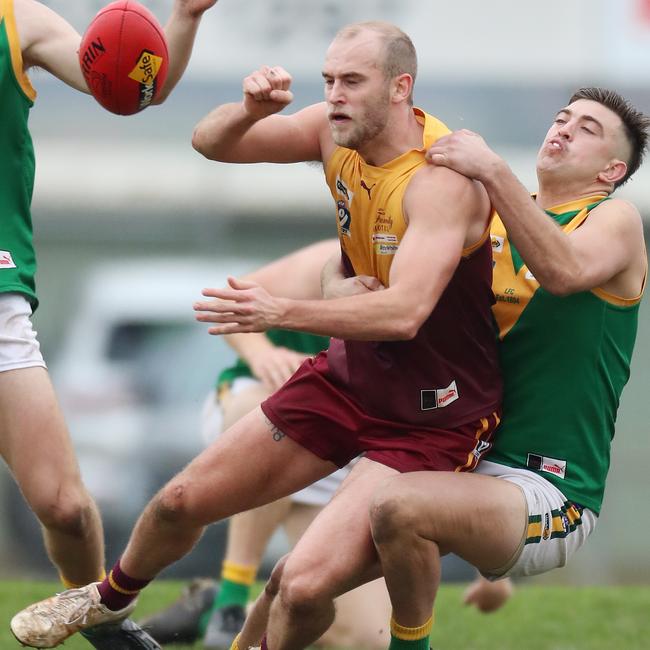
x=537, y=618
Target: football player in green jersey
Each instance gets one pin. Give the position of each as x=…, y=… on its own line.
x=34, y=440
x=570, y=269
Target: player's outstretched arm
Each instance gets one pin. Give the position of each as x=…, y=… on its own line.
x=607, y=251
x=49, y=42
x=180, y=32
x=251, y=131
x=445, y=211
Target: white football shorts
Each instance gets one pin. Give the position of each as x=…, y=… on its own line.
x=19, y=347
x=556, y=528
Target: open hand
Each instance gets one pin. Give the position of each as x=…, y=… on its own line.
x=465, y=152
x=240, y=307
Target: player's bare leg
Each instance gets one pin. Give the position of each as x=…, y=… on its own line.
x=35, y=444
x=313, y=576
x=258, y=615
x=362, y=615
x=482, y=519
x=243, y=469
x=250, y=531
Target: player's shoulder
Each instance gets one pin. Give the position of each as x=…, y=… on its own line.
x=624, y=212
x=434, y=183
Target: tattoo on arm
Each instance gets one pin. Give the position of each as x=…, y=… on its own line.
x=277, y=433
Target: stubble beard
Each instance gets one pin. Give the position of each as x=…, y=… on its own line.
x=367, y=128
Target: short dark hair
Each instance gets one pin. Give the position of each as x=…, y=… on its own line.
x=635, y=123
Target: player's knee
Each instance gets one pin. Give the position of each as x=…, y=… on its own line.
x=171, y=504
x=301, y=593
x=272, y=586
x=391, y=514
x=64, y=511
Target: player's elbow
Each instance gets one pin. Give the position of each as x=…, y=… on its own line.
x=201, y=142
x=560, y=283
x=406, y=330
x=407, y=326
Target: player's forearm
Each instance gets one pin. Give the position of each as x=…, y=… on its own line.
x=249, y=345
x=217, y=135
x=375, y=316
x=545, y=249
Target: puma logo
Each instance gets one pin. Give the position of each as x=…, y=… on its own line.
x=368, y=189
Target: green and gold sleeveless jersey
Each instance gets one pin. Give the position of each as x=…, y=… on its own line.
x=17, y=261
x=310, y=344
x=565, y=361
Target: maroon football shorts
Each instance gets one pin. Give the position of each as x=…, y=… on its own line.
x=319, y=416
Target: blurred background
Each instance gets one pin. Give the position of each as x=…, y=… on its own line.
x=131, y=224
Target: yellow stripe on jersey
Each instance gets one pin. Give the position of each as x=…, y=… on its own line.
x=617, y=300
x=7, y=14
x=486, y=233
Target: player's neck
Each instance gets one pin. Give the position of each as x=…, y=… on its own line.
x=553, y=194
x=401, y=134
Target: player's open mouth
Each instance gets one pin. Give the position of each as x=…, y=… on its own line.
x=338, y=118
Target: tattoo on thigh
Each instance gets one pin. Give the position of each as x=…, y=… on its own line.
x=277, y=433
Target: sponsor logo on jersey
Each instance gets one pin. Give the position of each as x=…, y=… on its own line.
x=343, y=190
x=437, y=398
x=383, y=222
x=145, y=73
x=384, y=239
x=553, y=466
x=368, y=189
x=384, y=244
x=6, y=260
x=508, y=295
x=344, y=217
x=497, y=243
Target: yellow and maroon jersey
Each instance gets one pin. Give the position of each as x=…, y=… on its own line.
x=448, y=374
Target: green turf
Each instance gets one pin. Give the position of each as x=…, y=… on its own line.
x=537, y=618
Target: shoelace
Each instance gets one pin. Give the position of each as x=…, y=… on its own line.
x=70, y=608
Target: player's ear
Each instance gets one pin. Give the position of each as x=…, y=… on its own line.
x=402, y=87
x=614, y=172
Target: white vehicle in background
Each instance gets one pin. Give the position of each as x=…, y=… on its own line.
x=131, y=376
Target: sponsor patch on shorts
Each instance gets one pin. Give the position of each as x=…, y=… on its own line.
x=6, y=260
x=437, y=398
x=553, y=466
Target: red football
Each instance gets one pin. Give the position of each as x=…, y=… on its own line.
x=123, y=57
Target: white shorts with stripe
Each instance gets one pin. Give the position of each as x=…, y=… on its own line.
x=19, y=347
x=556, y=528
x=318, y=494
